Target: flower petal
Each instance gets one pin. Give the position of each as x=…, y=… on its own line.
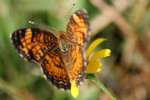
x=101, y=54
x=93, y=45
x=93, y=66
x=74, y=89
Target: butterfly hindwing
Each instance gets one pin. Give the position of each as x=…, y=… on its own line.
x=54, y=69
x=78, y=63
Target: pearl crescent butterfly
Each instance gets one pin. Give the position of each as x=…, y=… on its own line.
x=61, y=57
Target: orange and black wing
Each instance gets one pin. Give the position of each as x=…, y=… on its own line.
x=33, y=43
x=42, y=47
x=78, y=64
x=78, y=27
x=77, y=32
x=54, y=69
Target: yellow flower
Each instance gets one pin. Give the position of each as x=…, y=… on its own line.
x=93, y=62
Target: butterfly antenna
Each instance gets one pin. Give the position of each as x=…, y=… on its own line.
x=70, y=11
x=41, y=26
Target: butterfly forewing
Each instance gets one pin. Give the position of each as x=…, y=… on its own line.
x=33, y=43
x=78, y=27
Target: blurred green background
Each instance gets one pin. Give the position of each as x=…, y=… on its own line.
x=126, y=25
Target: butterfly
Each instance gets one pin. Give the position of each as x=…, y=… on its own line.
x=62, y=56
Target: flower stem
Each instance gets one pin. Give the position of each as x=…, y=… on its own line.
x=104, y=89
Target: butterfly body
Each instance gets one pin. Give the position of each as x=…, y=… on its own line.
x=61, y=57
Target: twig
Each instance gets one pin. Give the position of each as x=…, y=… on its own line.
x=109, y=14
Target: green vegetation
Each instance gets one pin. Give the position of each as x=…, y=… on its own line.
x=125, y=24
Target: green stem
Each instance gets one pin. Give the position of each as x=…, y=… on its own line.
x=104, y=89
